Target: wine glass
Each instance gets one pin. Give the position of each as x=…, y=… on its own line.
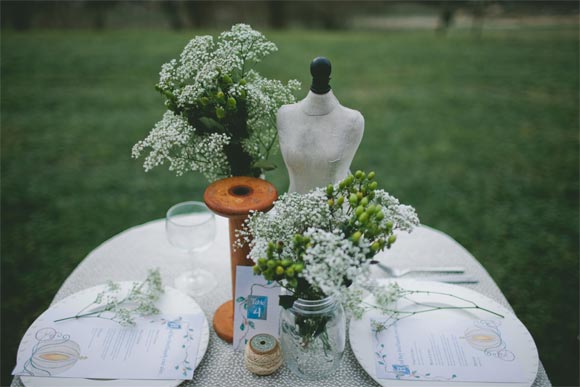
x=190, y=226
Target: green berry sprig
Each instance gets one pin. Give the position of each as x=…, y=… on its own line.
x=277, y=268
x=357, y=191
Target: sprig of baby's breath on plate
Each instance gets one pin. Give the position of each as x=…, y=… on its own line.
x=111, y=304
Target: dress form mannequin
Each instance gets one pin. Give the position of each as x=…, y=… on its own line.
x=318, y=136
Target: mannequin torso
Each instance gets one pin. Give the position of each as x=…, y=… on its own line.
x=318, y=138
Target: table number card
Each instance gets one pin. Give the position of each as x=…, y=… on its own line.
x=256, y=308
x=460, y=350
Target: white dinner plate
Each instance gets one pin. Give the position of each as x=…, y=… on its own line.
x=172, y=302
x=361, y=336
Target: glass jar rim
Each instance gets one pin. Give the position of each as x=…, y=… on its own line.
x=319, y=306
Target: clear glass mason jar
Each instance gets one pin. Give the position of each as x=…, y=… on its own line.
x=313, y=336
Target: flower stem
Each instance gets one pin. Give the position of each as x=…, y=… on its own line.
x=80, y=315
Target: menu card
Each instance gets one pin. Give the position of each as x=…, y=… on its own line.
x=157, y=347
x=460, y=350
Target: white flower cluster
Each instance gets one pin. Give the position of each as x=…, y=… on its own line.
x=174, y=140
x=402, y=216
x=292, y=214
x=265, y=96
x=327, y=241
x=331, y=260
x=196, y=81
x=141, y=300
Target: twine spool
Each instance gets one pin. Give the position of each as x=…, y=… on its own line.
x=263, y=355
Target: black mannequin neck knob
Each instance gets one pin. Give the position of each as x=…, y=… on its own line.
x=320, y=69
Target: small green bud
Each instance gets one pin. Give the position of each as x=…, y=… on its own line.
x=257, y=270
x=297, y=238
x=340, y=200
x=358, y=174
x=232, y=103
x=220, y=112
x=371, y=175
x=329, y=189
x=279, y=270
x=369, y=212
x=353, y=199
x=341, y=185
x=331, y=202
x=298, y=267
x=392, y=239
x=380, y=215
x=373, y=230
x=349, y=179
x=375, y=246
x=262, y=262
x=204, y=101
x=359, y=211
x=290, y=272
x=292, y=282
x=356, y=236
x=359, y=195
x=220, y=96
x=364, y=202
x=243, y=82
x=389, y=226
x=364, y=218
x=271, y=264
x=227, y=79
x=286, y=263
x=374, y=185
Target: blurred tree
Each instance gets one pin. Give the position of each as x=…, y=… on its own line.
x=200, y=13
x=98, y=10
x=17, y=14
x=446, y=16
x=278, y=16
x=171, y=9
x=321, y=14
x=477, y=15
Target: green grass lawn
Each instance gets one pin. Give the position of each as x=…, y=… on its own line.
x=481, y=136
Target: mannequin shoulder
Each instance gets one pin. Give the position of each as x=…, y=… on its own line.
x=286, y=110
x=355, y=117
x=287, y=117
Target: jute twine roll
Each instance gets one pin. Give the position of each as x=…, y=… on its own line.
x=263, y=355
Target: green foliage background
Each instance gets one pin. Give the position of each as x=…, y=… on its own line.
x=480, y=135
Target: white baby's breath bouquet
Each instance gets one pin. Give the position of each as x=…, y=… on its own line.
x=322, y=243
x=221, y=113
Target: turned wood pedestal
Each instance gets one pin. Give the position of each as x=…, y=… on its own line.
x=234, y=198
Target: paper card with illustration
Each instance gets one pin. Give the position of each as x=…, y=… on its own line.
x=256, y=308
x=462, y=350
x=156, y=347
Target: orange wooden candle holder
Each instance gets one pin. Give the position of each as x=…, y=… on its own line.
x=234, y=198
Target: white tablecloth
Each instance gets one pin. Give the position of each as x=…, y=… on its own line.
x=128, y=256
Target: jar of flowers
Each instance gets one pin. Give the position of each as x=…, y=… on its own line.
x=319, y=247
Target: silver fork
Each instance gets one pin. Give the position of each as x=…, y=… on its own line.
x=396, y=273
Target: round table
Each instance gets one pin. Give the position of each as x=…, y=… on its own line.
x=128, y=256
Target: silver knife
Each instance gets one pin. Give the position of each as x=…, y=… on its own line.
x=450, y=279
